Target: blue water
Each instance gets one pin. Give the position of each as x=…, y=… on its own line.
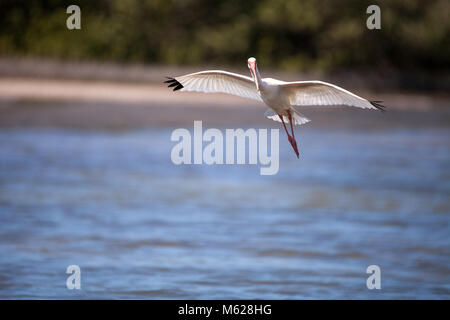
x=140, y=227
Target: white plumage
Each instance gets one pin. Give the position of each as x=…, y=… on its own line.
x=283, y=98
x=220, y=81
x=319, y=93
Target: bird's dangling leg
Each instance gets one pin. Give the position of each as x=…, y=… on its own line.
x=291, y=140
x=294, y=142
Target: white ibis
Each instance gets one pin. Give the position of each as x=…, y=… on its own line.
x=280, y=96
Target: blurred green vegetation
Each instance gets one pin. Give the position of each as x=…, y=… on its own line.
x=288, y=34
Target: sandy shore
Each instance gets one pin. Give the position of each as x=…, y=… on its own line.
x=37, y=89
x=15, y=89
x=108, y=104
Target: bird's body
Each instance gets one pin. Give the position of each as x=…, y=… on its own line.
x=270, y=94
x=283, y=98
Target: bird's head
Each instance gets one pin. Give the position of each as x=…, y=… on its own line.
x=252, y=66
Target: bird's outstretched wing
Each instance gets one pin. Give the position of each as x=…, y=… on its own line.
x=216, y=81
x=318, y=93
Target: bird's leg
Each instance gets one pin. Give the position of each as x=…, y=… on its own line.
x=285, y=129
x=290, y=122
x=293, y=142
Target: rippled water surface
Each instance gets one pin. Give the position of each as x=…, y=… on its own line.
x=140, y=227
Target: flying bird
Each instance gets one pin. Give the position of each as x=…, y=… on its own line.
x=282, y=98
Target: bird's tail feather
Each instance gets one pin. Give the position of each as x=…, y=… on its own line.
x=298, y=118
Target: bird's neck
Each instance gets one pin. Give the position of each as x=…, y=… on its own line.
x=258, y=80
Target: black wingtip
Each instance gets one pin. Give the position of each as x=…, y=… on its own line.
x=174, y=83
x=377, y=105
x=170, y=80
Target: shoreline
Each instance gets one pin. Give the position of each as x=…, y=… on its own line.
x=375, y=78
x=36, y=102
x=37, y=89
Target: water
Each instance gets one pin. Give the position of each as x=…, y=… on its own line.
x=140, y=227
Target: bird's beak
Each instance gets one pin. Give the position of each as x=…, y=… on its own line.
x=252, y=68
